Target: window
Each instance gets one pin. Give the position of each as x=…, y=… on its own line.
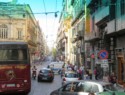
x=122, y=7
x=3, y=31
x=71, y=75
x=70, y=87
x=95, y=88
x=67, y=87
x=19, y=34
x=112, y=9
x=80, y=87
x=109, y=88
x=87, y=87
x=13, y=54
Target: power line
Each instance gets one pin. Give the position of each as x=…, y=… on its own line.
x=44, y=6
x=55, y=16
x=29, y=13
x=45, y=13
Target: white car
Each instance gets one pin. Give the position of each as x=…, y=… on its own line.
x=83, y=87
x=69, y=76
x=56, y=67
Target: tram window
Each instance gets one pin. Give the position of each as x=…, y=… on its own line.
x=13, y=54
x=19, y=54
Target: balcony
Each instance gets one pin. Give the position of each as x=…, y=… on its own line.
x=78, y=10
x=93, y=36
x=101, y=14
x=111, y=27
x=120, y=23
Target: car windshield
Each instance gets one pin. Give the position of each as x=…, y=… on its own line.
x=71, y=75
x=45, y=71
x=109, y=88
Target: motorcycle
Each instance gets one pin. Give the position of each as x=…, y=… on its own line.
x=34, y=75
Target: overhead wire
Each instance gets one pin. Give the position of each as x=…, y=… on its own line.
x=55, y=15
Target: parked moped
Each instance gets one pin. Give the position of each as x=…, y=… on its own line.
x=34, y=75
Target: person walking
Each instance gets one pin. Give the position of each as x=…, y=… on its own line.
x=113, y=78
x=96, y=73
x=82, y=71
x=79, y=73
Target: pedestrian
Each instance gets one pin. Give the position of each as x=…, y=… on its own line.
x=75, y=68
x=82, y=71
x=106, y=77
x=79, y=73
x=96, y=73
x=113, y=78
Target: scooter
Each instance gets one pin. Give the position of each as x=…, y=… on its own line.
x=34, y=75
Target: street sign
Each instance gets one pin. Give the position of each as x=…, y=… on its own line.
x=103, y=54
x=104, y=61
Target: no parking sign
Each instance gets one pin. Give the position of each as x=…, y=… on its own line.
x=103, y=54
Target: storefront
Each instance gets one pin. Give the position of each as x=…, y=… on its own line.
x=120, y=65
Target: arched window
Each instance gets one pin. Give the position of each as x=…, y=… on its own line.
x=19, y=33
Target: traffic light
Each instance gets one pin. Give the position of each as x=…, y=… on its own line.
x=56, y=14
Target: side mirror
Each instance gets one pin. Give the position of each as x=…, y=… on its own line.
x=60, y=89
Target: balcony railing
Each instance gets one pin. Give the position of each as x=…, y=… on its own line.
x=77, y=10
x=92, y=36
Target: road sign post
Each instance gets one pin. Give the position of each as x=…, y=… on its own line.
x=103, y=54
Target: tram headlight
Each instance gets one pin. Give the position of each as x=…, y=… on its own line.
x=25, y=81
x=3, y=86
x=18, y=85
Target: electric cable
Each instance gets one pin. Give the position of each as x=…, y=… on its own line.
x=55, y=16
x=45, y=14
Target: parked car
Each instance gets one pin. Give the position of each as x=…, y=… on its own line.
x=69, y=76
x=45, y=74
x=111, y=93
x=82, y=87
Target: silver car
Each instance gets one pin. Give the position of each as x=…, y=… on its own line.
x=82, y=87
x=69, y=76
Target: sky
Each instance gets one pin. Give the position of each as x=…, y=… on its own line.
x=48, y=22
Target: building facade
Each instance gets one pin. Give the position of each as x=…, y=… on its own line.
x=106, y=32
x=17, y=23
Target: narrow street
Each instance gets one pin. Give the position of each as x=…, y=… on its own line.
x=44, y=88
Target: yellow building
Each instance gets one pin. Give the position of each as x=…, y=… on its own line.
x=17, y=23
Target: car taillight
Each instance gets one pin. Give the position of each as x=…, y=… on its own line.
x=64, y=79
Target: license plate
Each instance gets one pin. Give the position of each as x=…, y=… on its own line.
x=10, y=85
x=44, y=78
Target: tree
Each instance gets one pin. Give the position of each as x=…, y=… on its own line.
x=54, y=53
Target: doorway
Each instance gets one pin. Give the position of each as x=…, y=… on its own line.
x=121, y=70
